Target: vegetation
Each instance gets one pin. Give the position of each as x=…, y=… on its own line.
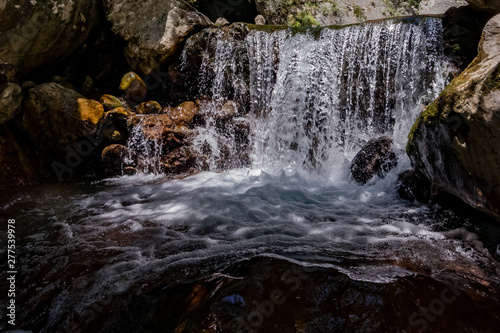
x=359, y=13
x=299, y=12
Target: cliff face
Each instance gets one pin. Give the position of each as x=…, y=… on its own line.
x=456, y=141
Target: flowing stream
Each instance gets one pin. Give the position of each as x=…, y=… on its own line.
x=146, y=254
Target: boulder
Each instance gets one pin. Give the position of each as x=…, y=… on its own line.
x=42, y=32
x=115, y=125
x=110, y=102
x=491, y=6
x=377, y=157
x=183, y=114
x=11, y=96
x=154, y=30
x=438, y=7
x=114, y=158
x=221, y=21
x=413, y=186
x=455, y=141
x=55, y=116
x=135, y=89
x=153, y=127
x=150, y=107
x=260, y=20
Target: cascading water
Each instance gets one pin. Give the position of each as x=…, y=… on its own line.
x=185, y=255
x=316, y=97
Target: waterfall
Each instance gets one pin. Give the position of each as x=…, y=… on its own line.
x=313, y=98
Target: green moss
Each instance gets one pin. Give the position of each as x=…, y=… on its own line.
x=359, y=13
x=302, y=19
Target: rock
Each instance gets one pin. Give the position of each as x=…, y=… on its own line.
x=180, y=160
x=438, y=7
x=150, y=107
x=377, y=157
x=491, y=6
x=110, y=102
x=115, y=125
x=462, y=30
x=233, y=11
x=153, y=127
x=11, y=96
x=114, y=159
x=222, y=21
x=135, y=89
x=455, y=141
x=28, y=85
x=42, y=32
x=154, y=30
x=260, y=20
x=55, y=116
x=412, y=185
x=184, y=113
x=19, y=162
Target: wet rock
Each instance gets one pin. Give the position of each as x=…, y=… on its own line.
x=260, y=20
x=180, y=160
x=153, y=127
x=184, y=113
x=133, y=86
x=491, y=6
x=412, y=185
x=11, y=96
x=42, y=32
x=454, y=142
x=150, y=107
x=114, y=159
x=55, y=116
x=110, y=102
x=28, y=85
x=115, y=125
x=377, y=157
x=438, y=7
x=222, y=21
x=154, y=30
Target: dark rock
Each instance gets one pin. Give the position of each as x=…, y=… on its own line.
x=135, y=89
x=55, y=117
x=41, y=33
x=11, y=96
x=377, y=157
x=114, y=159
x=110, y=102
x=455, y=142
x=412, y=185
x=462, y=30
x=233, y=11
x=150, y=107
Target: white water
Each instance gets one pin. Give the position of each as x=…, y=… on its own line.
x=316, y=98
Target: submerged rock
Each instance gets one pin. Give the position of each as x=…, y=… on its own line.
x=377, y=157
x=11, y=96
x=42, y=32
x=455, y=142
x=55, y=116
x=154, y=30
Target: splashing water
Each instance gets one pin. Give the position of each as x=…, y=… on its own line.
x=316, y=97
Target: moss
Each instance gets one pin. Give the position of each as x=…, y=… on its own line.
x=359, y=13
x=128, y=78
